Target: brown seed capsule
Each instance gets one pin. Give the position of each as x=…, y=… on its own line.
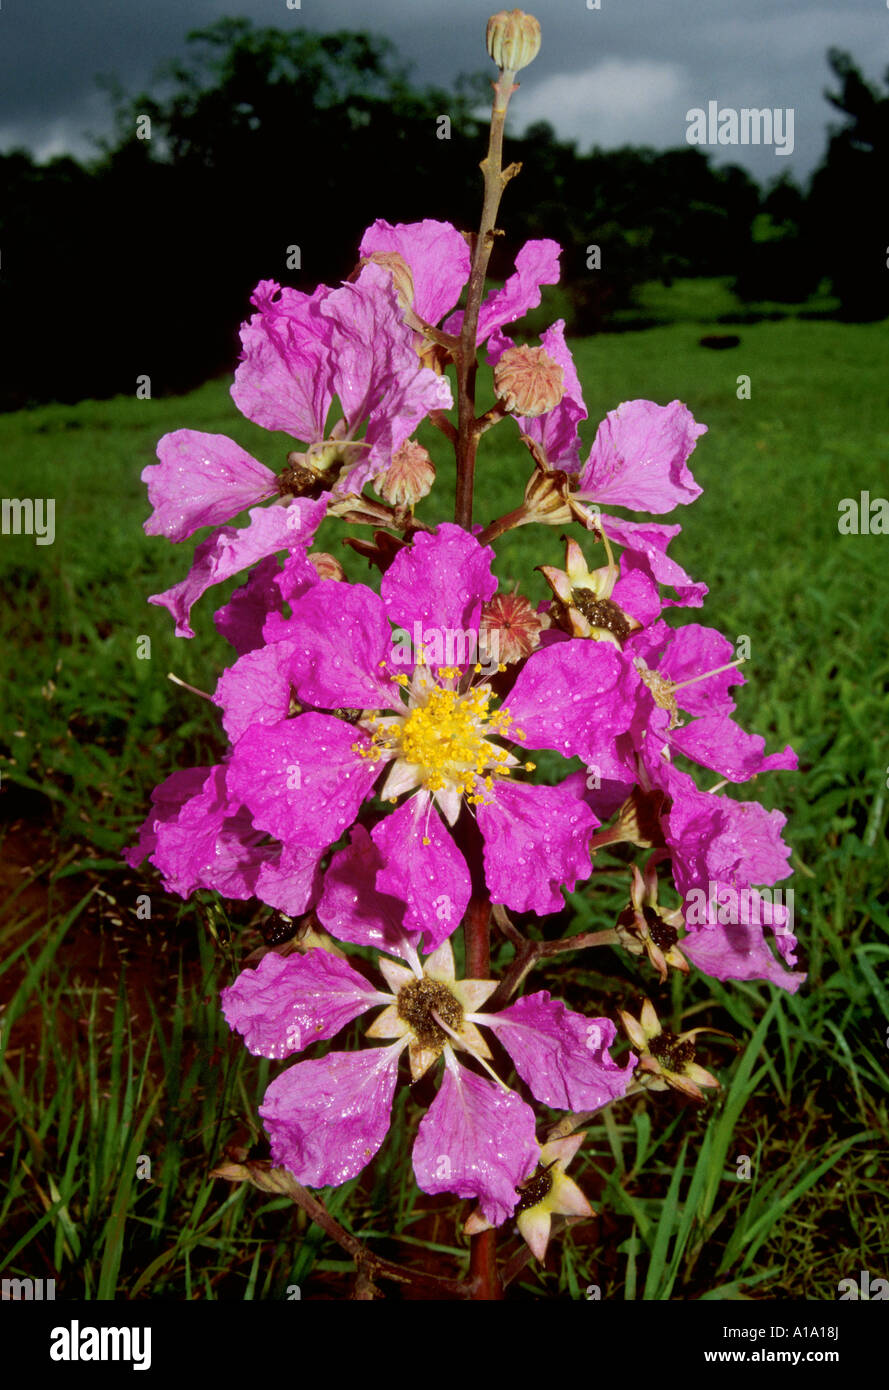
x=513, y=39
x=528, y=381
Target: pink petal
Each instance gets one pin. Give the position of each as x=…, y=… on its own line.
x=284, y=379
x=536, y=840
x=240, y=621
x=738, y=953
x=431, y=879
x=437, y=255
x=326, y=1119
x=211, y=843
x=536, y=264
x=575, y=697
x=290, y=879
x=229, y=550
x=301, y=779
x=288, y=1002
x=377, y=373
x=353, y=909
x=638, y=458
x=201, y=480
x=439, y=582
x=255, y=690
x=476, y=1140
x=647, y=543
x=562, y=1055
x=167, y=801
x=719, y=743
x=694, y=650
x=340, y=635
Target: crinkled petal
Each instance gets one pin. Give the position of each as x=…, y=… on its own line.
x=639, y=458
x=431, y=879
x=440, y=582
x=211, y=843
x=255, y=690
x=536, y=264
x=301, y=779
x=201, y=480
x=353, y=909
x=284, y=379
x=536, y=841
x=438, y=257
x=647, y=543
x=230, y=550
x=575, y=697
x=341, y=643
x=240, y=621
x=692, y=652
x=561, y=1055
x=714, y=838
x=290, y=879
x=326, y=1119
x=167, y=801
x=288, y=1002
x=719, y=743
x=377, y=373
x=738, y=952
x=476, y=1140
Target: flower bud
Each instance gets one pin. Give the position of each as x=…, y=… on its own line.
x=409, y=476
x=513, y=39
x=327, y=566
x=528, y=381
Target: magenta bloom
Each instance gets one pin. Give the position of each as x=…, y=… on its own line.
x=328, y=1117
x=691, y=670
x=439, y=261
x=425, y=729
x=300, y=353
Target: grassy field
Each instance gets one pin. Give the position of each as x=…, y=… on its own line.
x=112, y=1045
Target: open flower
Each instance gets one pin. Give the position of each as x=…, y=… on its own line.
x=545, y=1193
x=414, y=717
x=666, y=1059
x=300, y=353
x=327, y=1117
x=646, y=928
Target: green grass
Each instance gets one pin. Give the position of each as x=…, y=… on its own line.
x=138, y=1059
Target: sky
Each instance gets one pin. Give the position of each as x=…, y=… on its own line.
x=628, y=72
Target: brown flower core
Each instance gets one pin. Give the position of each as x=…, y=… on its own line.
x=416, y=1002
x=533, y=1191
x=671, y=1051
x=661, y=933
x=601, y=612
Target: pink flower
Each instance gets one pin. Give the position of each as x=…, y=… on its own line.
x=695, y=667
x=439, y=261
x=327, y=1118
x=300, y=352
x=419, y=717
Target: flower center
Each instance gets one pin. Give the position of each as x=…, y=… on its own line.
x=661, y=933
x=673, y=1052
x=601, y=612
x=447, y=738
x=538, y=1186
x=661, y=689
x=416, y=1003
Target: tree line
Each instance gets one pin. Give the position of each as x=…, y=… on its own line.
x=264, y=154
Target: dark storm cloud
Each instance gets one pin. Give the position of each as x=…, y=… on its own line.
x=627, y=72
